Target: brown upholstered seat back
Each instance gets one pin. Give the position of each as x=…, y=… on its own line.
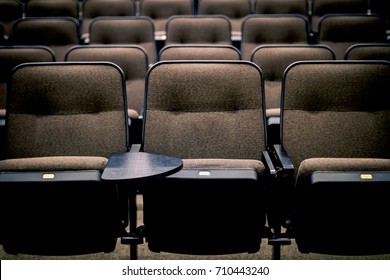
x=368, y=51
x=132, y=59
x=340, y=31
x=204, y=109
x=44, y=8
x=199, y=52
x=66, y=109
x=274, y=59
x=125, y=30
x=160, y=11
x=235, y=10
x=11, y=57
x=214, y=29
x=58, y=33
x=321, y=8
x=272, y=29
x=336, y=109
x=92, y=9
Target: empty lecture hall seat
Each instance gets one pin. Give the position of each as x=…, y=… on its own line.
x=340, y=31
x=301, y=7
x=138, y=30
x=199, y=111
x=57, y=33
x=133, y=60
x=199, y=52
x=335, y=134
x=10, y=12
x=321, y=8
x=260, y=29
x=273, y=60
x=50, y=8
x=368, y=52
x=11, y=56
x=281, y=7
x=63, y=121
x=160, y=11
x=235, y=10
x=198, y=29
x=92, y=9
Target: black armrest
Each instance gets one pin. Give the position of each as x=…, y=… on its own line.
x=282, y=157
x=281, y=194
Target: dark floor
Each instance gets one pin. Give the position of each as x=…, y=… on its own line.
x=122, y=252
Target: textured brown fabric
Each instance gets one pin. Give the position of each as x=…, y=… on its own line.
x=324, y=7
x=208, y=29
x=309, y=166
x=281, y=7
x=131, y=59
x=339, y=32
x=58, y=33
x=235, y=10
x=272, y=29
x=96, y=8
x=205, y=110
x=199, y=52
x=42, y=8
x=66, y=110
x=125, y=30
x=160, y=11
x=11, y=56
x=224, y=163
x=274, y=59
x=54, y=164
x=368, y=52
x=336, y=110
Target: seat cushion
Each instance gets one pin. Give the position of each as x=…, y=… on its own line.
x=57, y=163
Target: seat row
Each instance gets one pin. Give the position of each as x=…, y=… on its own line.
x=273, y=59
x=337, y=31
x=325, y=185
x=86, y=11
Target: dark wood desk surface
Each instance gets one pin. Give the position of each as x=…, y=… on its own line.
x=140, y=165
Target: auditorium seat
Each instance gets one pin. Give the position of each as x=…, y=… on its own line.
x=335, y=133
x=11, y=56
x=199, y=29
x=50, y=8
x=159, y=11
x=138, y=30
x=92, y=9
x=321, y=8
x=272, y=29
x=273, y=60
x=57, y=33
x=340, y=31
x=282, y=7
x=199, y=52
x=368, y=52
x=63, y=121
x=210, y=114
x=235, y=10
x=133, y=60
